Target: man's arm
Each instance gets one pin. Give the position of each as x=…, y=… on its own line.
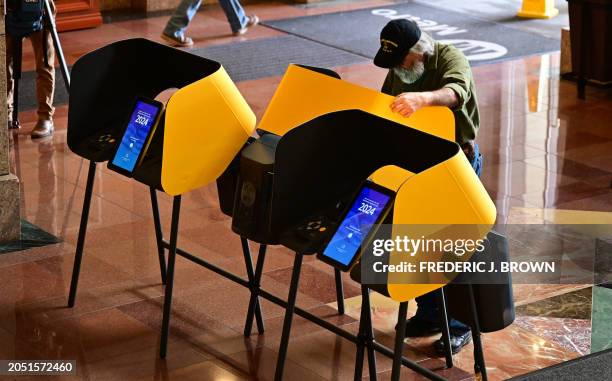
x=407, y=103
x=453, y=85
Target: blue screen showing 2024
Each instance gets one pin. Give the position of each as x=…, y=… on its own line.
x=356, y=225
x=135, y=135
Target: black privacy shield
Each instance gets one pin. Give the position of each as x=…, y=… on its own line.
x=106, y=81
x=326, y=159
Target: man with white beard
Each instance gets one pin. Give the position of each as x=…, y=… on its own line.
x=424, y=72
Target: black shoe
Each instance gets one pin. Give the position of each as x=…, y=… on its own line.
x=457, y=342
x=420, y=328
x=43, y=128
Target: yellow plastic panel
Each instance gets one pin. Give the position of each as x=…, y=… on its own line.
x=391, y=176
x=446, y=195
x=207, y=123
x=304, y=94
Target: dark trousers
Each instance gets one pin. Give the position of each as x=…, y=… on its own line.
x=427, y=305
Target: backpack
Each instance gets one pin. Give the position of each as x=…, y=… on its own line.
x=24, y=17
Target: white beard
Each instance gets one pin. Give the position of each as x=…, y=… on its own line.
x=412, y=75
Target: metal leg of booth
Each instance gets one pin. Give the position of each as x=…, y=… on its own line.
x=445, y=331
x=253, y=359
x=159, y=236
x=78, y=256
x=261, y=258
x=284, y=343
x=479, y=361
x=398, y=349
x=361, y=336
x=369, y=332
x=176, y=211
x=583, y=48
x=360, y=353
x=339, y=291
x=254, y=277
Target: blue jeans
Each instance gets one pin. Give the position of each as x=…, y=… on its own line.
x=427, y=305
x=187, y=9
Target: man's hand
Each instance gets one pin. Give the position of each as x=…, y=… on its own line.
x=407, y=103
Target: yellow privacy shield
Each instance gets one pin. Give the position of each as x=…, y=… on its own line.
x=207, y=123
x=444, y=202
x=391, y=176
x=304, y=94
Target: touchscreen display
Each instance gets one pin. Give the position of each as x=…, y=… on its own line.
x=135, y=136
x=356, y=225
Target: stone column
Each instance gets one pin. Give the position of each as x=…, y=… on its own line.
x=10, y=225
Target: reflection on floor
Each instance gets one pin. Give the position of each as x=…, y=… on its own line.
x=31, y=236
x=544, y=150
x=573, y=305
x=564, y=319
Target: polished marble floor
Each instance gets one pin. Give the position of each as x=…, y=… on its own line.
x=544, y=150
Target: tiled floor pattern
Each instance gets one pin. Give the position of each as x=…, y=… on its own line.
x=544, y=150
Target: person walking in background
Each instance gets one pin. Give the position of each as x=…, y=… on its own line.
x=21, y=23
x=174, y=33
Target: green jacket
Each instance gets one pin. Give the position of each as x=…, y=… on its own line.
x=447, y=67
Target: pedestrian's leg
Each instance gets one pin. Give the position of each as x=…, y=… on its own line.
x=44, y=54
x=181, y=17
x=234, y=13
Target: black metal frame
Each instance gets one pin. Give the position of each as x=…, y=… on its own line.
x=366, y=334
x=479, y=361
x=167, y=271
x=364, y=340
x=78, y=256
x=448, y=355
x=254, y=310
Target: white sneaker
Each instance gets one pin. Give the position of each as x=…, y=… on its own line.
x=251, y=21
x=182, y=42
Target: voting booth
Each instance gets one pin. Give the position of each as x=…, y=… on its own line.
x=303, y=168
x=309, y=162
x=323, y=161
x=199, y=132
x=205, y=123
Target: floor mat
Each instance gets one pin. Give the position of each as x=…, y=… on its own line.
x=358, y=32
x=268, y=57
x=594, y=367
x=243, y=61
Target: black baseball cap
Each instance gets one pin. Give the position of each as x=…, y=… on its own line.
x=396, y=40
